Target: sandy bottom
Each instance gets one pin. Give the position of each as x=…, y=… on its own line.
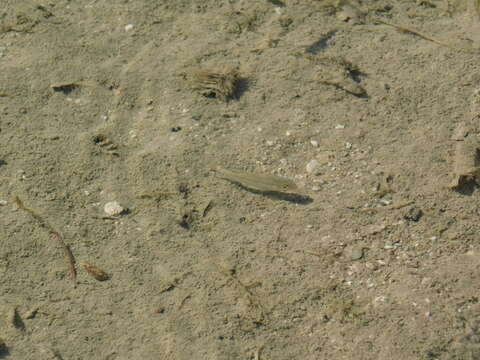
x=376, y=258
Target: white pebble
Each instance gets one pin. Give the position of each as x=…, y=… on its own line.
x=314, y=143
x=3, y=202
x=128, y=27
x=340, y=126
x=312, y=166
x=113, y=208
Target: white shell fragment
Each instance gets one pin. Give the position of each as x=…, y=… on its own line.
x=312, y=166
x=113, y=208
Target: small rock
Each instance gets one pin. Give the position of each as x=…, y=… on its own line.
x=350, y=14
x=113, y=208
x=3, y=202
x=3, y=347
x=314, y=143
x=312, y=166
x=460, y=132
x=389, y=245
x=356, y=253
x=375, y=229
x=128, y=27
x=413, y=214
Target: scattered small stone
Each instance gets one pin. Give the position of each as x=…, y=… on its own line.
x=379, y=299
x=389, y=245
x=176, y=129
x=113, y=208
x=350, y=14
x=3, y=347
x=3, y=202
x=312, y=166
x=413, y=214
x=375, y=229
x=30, y=314
x=314, y=143
x=460, y=132
x=128, y=27
x=348, y=146
x=339, y=126
x=356, y=253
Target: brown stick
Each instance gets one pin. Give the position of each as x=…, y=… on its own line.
x=426, y=37
x=45, y=224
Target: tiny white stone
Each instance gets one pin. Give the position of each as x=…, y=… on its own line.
x=128, y=27
x=3, y=202
x=113, y=208
x=270, y=143
x=288, y=133
x=312, y=166
x=314, y=143
x=340, y=126
x=348, y=145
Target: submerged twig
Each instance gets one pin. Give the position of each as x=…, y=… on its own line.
x=425, y=37
x=58, y=237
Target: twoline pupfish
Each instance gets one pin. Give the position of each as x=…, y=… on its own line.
x=258, y=182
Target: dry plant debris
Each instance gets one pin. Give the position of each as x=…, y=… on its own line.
x=56, y=234
x=221, y=84
x=406, y=29
x=106, y=144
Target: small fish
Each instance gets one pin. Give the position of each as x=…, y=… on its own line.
x=259, y=182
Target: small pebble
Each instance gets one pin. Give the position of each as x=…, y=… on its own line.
x=314, y=143
x=128, y=27
x=375, y=229
x=113, y=208
x=339, y=126
x=312, y=166
x=356, y=253
x=3, y=347
x=3, y=202
x=389, y=245
x=413, y=214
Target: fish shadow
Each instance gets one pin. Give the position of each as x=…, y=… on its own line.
x=300, y=199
